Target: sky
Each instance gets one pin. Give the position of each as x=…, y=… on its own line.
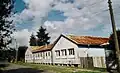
x=68, y=17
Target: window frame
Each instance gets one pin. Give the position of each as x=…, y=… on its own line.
x=64, y=52
x=48, y=53
x=71, y=51
x=57, y=53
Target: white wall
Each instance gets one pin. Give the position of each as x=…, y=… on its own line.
x=42, y=58
x=28, y=56
x=95, y=52
x=82, y=51
x=63, y=43
x=92, y=52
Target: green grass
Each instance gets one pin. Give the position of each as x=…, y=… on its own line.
x=59, y=69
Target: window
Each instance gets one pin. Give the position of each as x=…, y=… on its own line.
x=43, y=55
x=48, y=53
x=40, y=54
x=71, y=51
x=36, y=55
x=57, y=52
x=64, y=53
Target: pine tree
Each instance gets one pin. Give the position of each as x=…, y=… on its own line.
x=33, y=40
x=43, y=37
x=6, y=26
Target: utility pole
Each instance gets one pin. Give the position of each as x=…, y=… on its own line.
x=16, y=50
x=115, y=34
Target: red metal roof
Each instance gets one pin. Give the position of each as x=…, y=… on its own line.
x=43, y=48
x=85, y=40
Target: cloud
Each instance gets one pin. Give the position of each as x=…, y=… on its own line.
x=22, y=37
x=84, y=17
x=35, y=11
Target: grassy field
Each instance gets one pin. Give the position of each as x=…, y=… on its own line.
x=62, y=69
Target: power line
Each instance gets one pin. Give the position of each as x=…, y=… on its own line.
x=93, y=13
x=105, y=10
x=94, y=3
x=96, y=13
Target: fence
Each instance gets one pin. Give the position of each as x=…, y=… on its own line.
x=99, y=62
x=90, y=62
x=86, y=62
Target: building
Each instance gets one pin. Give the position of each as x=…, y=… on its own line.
x=42, y=54
x=21, y=53
x=71, y=50
x=29, y=55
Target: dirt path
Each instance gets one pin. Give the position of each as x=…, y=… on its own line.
x=13, y=68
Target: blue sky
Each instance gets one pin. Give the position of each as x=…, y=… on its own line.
x=53, y=15
x=56, y=15
x=19, y=6
x=76, y=17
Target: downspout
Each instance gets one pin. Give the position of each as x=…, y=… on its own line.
x=88, y=49
x=33, y=58
x=46, y=52
x=51, y=57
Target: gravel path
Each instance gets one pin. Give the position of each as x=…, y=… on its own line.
x=13, y=68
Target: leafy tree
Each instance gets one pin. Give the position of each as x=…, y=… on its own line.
x=112, y=43
x=6, y=26
x=9, y=53
x=111, y=59
x=43, y=37
x=33, y=40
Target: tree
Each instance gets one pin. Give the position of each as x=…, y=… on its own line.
x=9, y=53
x=112, y=55
x=111, y=41
x=6, y=26
x=33, y=40
x=43, y=37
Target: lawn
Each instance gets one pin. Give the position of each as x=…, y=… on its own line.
x=61, y=69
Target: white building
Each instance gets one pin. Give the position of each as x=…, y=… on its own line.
x=38, y=54
x=29, y=55
x=70, y=50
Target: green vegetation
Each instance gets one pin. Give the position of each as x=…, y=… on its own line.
x=6, y=26
x=60, y=69
x=42, y=38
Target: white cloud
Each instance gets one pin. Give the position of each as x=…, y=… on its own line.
x=86, y=15
x=91, y=15
x=82, y=16
x=22, y=37
x=35, y=11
